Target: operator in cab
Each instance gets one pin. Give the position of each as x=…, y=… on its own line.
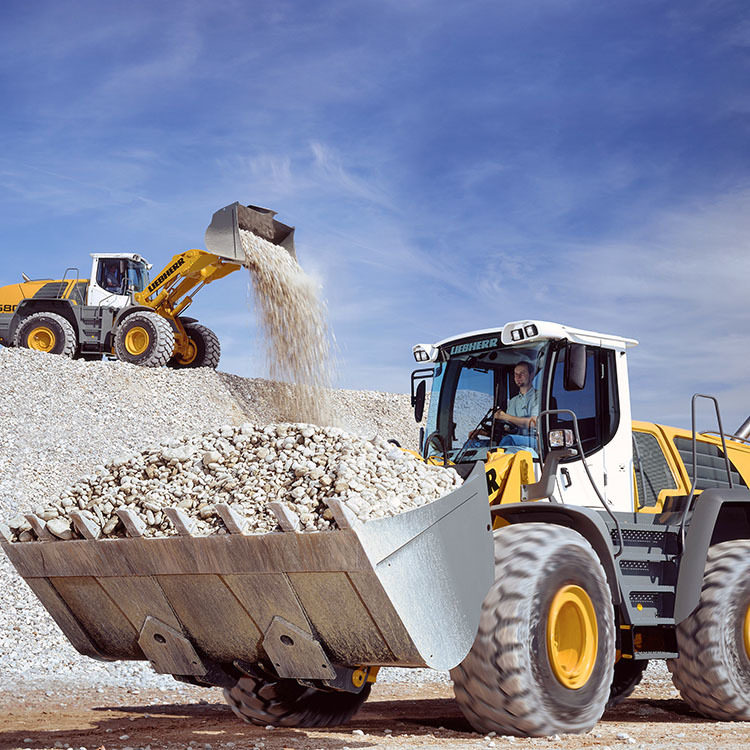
x=111, y=279
x=522, y=410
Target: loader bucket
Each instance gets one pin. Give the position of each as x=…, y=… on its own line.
x=223, y=233
x=403, y=591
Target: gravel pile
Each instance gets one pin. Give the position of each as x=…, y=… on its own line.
x=247, y=468
x=60, y=418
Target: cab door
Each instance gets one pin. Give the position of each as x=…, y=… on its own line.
x=109, y=283
x=597, y=410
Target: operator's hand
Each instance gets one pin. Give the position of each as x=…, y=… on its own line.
x=532, y=422
x=500, y=414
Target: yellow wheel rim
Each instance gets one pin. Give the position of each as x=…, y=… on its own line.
x=572, y=637
x=137, y=340
x=41, y=339
x=746, y=632
x=191, y=355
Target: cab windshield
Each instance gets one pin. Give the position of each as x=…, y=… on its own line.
x=137, y=276
x=469, y=387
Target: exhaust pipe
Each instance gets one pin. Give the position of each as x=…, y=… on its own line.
x=743, y=431
x=223, y=233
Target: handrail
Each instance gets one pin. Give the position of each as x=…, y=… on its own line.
x=579, y=447
x=694, y=483
x=72, y=268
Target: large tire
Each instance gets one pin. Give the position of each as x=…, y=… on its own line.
x=286, y=703
x=205, y=350
x=628, y=675
x=47, y=332
x=542, y=661
x=712, y=672
x=145, y=339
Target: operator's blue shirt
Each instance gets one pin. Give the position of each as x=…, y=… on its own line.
x=524, y=405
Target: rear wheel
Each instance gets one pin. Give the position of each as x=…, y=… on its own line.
x=542, y=660
x=47, y=332
x=264, y=700
x=205, y=350
x=144, y=338
x=712, y=672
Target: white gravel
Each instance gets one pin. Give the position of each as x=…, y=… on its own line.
x=61, y=417
x=254, y=472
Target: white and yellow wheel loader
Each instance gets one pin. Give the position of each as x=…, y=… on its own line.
x=119, y=311
x=565, y=562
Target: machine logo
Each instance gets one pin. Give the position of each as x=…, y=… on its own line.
x=158, y=281
x=7, y=308
x=473, y=346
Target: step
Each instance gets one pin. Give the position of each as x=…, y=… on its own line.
x=642, y=655
x=639, y=621
x=656, y=588
x=650, y=556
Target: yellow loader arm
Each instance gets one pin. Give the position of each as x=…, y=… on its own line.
x=187, y=272
x=172, y=290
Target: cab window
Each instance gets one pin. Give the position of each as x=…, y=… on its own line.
x=596, y=406
x=110, y=276
x=137, y=276
x=474, y=395
x=652, y=472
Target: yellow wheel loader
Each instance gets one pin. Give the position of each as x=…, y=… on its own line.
x=119, y=311
x=580, y=546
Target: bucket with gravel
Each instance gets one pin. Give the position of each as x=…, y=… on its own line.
x=299, y=584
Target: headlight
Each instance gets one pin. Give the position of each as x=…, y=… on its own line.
x=561, y=438
x=425, y=353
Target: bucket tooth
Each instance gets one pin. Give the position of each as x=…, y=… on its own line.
x=134, y=526
x=180, y=520
x=39, y=527
x=233, y=521
x=85, y=525
x=286, y=517
x=343, y=515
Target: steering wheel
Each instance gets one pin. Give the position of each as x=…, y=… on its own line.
x=507, y=427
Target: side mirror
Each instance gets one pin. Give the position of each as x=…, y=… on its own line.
x=419, y=398
x=574, y=377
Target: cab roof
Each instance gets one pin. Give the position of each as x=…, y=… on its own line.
x=536, y=330
x=119, y=256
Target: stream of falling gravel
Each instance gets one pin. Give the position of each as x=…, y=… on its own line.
x=295, y=330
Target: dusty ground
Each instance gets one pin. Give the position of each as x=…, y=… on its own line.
x=396, y=716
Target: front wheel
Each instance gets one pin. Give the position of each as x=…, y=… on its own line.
x=145, y=339
x=542, y=660
x=47, y=332
x=712, y=672
x=204, y=348
x=286, y=703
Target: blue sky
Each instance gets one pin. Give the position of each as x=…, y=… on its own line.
x=448, y=166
